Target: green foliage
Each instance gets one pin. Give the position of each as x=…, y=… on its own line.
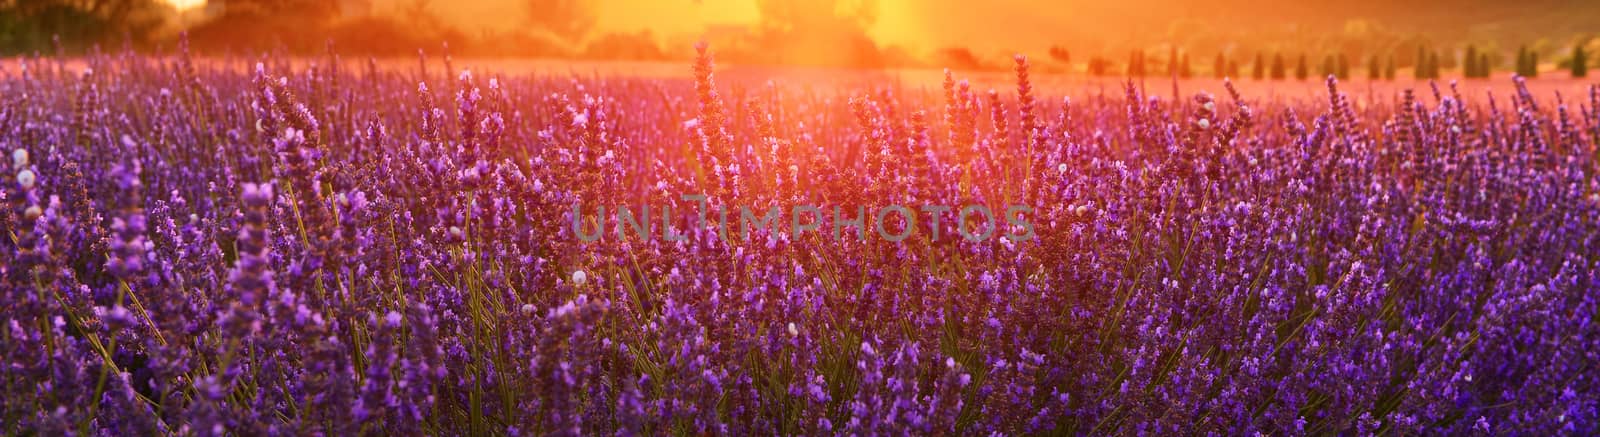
x=1060, y=54
x=1580, y=61
x=570, y=20
x=1435, y=65
x=1527, y=62
x=1470, y=68
x=1099, y=66
x=39, y=25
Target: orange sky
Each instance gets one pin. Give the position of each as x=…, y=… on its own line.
x=914, y=24
x=1092, y=26
x=899, y=22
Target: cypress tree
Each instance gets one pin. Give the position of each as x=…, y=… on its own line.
x=1277, y=66
x=1183, y=66
x=1580, y=61
x=1390, y=68
x=1533, y=63
x=1374, y=70
x=1470, y=68
x=1522, y=61
x=1301, y=71
x=1420, y=69
x=1136, y=64
x=1260, y=68
x=1172, y=61
x=1220, y=67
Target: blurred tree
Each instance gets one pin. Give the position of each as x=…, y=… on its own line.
x=1419, y=67
x=1172, y=61
x=1301, y=70
x=1390, y=68
x=1469, y=66
x=33, y=25
x=1136, y=64
x=1098, y=66
x=1484, y=70
x=1219, y=68
x=817, y=32
x=1374, y=70
x=419, y=14
x=567, y=20
x=301, y=26
x=1061, y=55
x=1342, y=67
x=1259, y=69
x=960, y=58
x=1435, y=66
x=1580, y=61
x=632, y=46
x=1277, y=66
x=1522, y=61
x=317, y=11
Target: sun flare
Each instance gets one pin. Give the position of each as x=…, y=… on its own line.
x=186, y=5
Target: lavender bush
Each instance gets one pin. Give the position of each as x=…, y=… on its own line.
x=266, y=248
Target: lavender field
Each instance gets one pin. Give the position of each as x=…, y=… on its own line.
x=265, y=247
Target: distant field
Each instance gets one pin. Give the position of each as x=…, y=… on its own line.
x=571, y=248
x=1358, y=86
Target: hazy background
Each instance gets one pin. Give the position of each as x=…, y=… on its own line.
x=854, y=33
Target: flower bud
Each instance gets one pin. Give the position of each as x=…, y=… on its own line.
x=26, y=179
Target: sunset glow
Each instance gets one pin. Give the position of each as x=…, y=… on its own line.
x=185, y=5
x=799, y=217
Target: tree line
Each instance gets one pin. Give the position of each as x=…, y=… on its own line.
x=1428, y=63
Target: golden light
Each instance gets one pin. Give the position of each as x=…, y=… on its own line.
x=185, y=5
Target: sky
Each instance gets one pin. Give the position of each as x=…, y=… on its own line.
x=913, y=24
x=1033, y=26
x=905, y=23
